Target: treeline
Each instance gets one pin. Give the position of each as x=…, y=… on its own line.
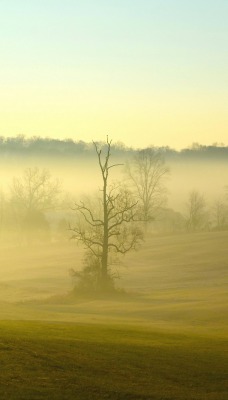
x=37, y=146
x=41, y=147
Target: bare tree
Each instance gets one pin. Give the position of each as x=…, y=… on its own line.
x=196, y=216
x=31, y=195
x=108, y=228
x=2, y=211
x=220, y=213
x=147, y=174
x=35, y=190
x=226, y=193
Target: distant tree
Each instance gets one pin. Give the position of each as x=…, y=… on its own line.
x=35, y=190
x=220, y=212
x=107, y=228
x=196, y=215
x=226, y=193
x=147, y=173
x=31, y=195
x=169, y=221
x=2, y=211
x=8, y=225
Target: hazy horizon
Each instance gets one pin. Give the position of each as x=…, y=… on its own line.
x=194, y=145
x=199, y=168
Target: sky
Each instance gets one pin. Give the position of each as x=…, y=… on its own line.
x=145, y=72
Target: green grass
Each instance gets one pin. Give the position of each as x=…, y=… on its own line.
x=83, y=361
x=165, y=340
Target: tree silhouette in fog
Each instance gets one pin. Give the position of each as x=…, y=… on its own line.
x=31, y=195
x=147, y=173
x=196, y=215
x=109, y=228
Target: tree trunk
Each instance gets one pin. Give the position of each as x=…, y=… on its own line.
x=104, y=259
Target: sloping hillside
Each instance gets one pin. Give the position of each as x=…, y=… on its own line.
x=178, y=280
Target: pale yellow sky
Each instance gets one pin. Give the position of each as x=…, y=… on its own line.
x=138, y=119
x=145, y=72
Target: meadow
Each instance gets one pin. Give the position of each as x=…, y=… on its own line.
x=164, y=337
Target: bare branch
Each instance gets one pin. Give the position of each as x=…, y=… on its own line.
x=82, y=209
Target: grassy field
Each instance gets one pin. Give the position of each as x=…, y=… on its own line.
x=73, y=361
x=166, y=339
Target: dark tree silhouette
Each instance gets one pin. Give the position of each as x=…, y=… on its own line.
x=110, y=228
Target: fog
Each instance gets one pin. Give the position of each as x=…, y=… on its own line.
x=82, y=176
x=36, y=261
x=209, y=178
